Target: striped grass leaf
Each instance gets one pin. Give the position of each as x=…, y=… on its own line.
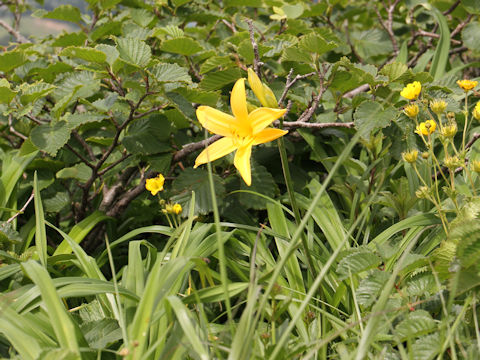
x=66, y=331
x=40, y=231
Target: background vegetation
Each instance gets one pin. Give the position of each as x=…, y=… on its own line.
x=358, y=238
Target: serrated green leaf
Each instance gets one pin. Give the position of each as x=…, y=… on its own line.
x=70, y=39
x=134, y=52
x=426, y=347
x=214, y=62
x=106, y=103
x=12, y=59
x=219, y=79
x=357, y=262
x=369, y=288
x=142, y=17
x=8, y=235
x=415, y=324
x=182, y=104
x=394, y=70
x=181, y=45
x=87, y=54
x=421, y=284
x=106, y=30
x=6, y=94
x=82, y=83
x=110, y=51
x=50, y=137
x=65, y=13
x=75, y=120
x=171, y=30
x=165, y=72
x=262, y=183
x=371, y=115
x=197, y=180
x=148, y=136
x=370, y=43
x=314, y=43
x=57, y=202
x=32, y=92
x=472, y=6
x=293, y=53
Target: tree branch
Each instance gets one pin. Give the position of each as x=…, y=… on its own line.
x=19, y=37
x=256, y=61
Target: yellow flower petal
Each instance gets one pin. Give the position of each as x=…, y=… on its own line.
x=238, y=101
x=267, y=135
x=216, y=121
x=262, y=117
x=215, y=151
x=242, y=163
x=257, y=86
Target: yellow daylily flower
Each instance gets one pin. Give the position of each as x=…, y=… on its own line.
x=154, y=185
x=426, y=128
x=412, y=90
x=467, y=85
x=263, y=93
x=240, y=131
x=476, y=111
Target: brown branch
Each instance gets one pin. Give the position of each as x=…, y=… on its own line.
x=308, y=113
x=193, y=70
x=84, y=144
x=452, y=8
x=230, y=26
x=112, y=165
x=190, y=148
x=460, y=26
x=80, y=156
x=356, y=91
x=436, y=36
x=290, y=82
x=388, y=24
x=303, y=124
x=22, y=210
x=12, y=129
x=149, y=111
x=256, y=61
x=19, y=37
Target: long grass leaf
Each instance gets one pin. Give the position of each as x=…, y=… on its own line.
x=440, y=58
x=40, y=232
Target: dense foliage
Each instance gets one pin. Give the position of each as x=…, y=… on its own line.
x=357, y=235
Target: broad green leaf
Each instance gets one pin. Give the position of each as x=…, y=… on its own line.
x=369, y=288
x=51, y=137
x=415, y=324
x=472, y=6
x=134, y=52
x=12, y=59
x=8, y=234
x=214, y=62
x=371, y=115
x=197, y=180
x=370, y=43
x=75, y=120
x=164, y=72
x=6, y=94
x=148, y=136
x=80, y=172
x=87, y=54
x=293, y=53
x=32, y=92
x=394, y=70
x=471, y=36
x=63, y=12
x=142, y=17
x=110, y=51
x=314, y=43
x=262, y=183
x=70, y=39
x=181, y=45
x=171, y=30
x=357, y=262
x=219, y=79
x=82, y=84
x=426, y=347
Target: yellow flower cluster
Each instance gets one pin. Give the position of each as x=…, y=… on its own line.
x=412, y=90
x=155, y=185
x=173, y=209
x=467, y=85
x=411, y=110
x=426, y=128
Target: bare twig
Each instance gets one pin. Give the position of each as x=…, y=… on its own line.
x=112, y=165
x=308, y=113
x=151, y=110
x=12, y=129
x=356, y=91
x=22, y=210
x=452, y=8
x=189, y=148
x=460, y=26
x=388, y=24
x=80, y=156
x=19, y=37
x=84, y=144
x=290, y=82
x=436, y=36
x=303, y=124
x=193, y=70
x=256, y=61
x=230, y=26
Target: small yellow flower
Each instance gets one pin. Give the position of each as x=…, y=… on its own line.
x=177, y=209
x=410, y=156
x=438, y=106
x=426, y=128
x=467, y=85
x=240, y=132
x=263, y=93
x=412, y=90
x=154, y=185
x=449, y=130
x=476, y=111
x=411, y=110
x=476, y=166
